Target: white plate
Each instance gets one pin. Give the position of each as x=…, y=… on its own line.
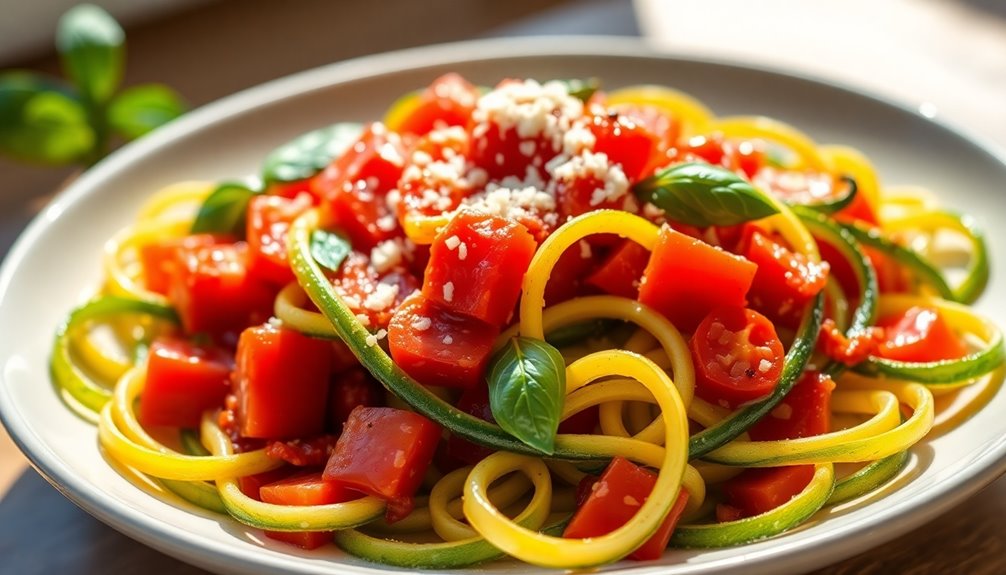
x=57, y=261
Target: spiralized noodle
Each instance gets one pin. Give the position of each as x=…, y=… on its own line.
x=516, y=504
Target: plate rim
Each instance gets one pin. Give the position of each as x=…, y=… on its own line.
x=883, y=525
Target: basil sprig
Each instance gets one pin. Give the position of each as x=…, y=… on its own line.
x=224, y=210
x=527, y=383
x=48, y=120
x=582, y=89
x=329, y=249
x=309, y=153
x=704, y=195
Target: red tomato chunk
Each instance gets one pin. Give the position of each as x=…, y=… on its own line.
x=686, y=278
x=183, y=381
x=804, y=412
x=448, y=101
x=621, y=271
x=305, y=489
x=738, y=356
x=348, y=390
x=437, y=346
x=921, y=334
x=159, y=260
x=281, y=383
x=756, y=491
x=384, y=452
x=785, y=281
x=269, y=219
x=477, y=264
x=353, y=188
x=615, y=498
x=213, y=291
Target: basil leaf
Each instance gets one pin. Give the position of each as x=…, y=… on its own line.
x=224, y=210
x=582, y=89
x=91, y=48
x=527, y=383
x=704, y=195
x=140, y=109
x=309, y=153
x=329, y=249
x=41, y=121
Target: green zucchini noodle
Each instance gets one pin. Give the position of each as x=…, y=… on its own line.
x=886, y=253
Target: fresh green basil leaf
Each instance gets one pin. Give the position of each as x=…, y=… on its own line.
x=329, y=249
x=224, y=210
x=91, y=48
x=527, y=384
x=140, y=109
x=582, y=89
x=700, y=194
x=41, y=121
x=309, y=153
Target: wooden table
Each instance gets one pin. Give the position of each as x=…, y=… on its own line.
x=217, y=49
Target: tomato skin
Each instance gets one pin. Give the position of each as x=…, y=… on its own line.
x=738, y=356
x=620, y=273
x=354, y=186
x=304, y=489
x=756, y=491
x=468, y=279
x=281, y=383
x=269, y=219
x=804, y=412
x=159, y=260
x=357, y=280
x=686, y=278
x=214, y=293
x=452, y=351
x=350, y=389
x=785, y=281
x=624, y=141
x=920, y=334
x=614, y=499
x=448, y=101
x=183, y=381
x=384, y=452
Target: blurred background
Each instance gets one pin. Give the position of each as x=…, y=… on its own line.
x=945, y=58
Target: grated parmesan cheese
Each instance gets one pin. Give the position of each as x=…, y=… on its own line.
x=382, y=297
x=386, y=255
x=421, y=323
x=449, y=292
x=448, y=340
x=452, y=242
x=462, y=251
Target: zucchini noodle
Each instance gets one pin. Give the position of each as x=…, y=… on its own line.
x=636, y=376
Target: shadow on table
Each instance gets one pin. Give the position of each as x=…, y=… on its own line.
x=41, y=532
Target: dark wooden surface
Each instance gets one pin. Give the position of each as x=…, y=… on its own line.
x=217, y=49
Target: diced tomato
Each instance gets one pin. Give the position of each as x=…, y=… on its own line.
x=353, y=188
x=477, y=265
x=436, y=178
x=686, y=278
x=625, y=141
x=213, y=291
x=281, y=383
x=756, y=491
x=160, y=260
x=666, y=129
x=743, y=156
x=804, y=412
x=799, y=187
x=891, y=277
x=437, y=346
x=615, y=498
x=448, y=101
x=921, y=334
x=567, y=278
x=300, y=490
x=183, y=381
x=727, y=513
x=474, y=401
x=251, y=484
x=849, y=349
x=584, y=488
x=269, y=219
x=384, y=452
x=620, y=273
x=858, y=210
x=365, y=290
x=349, y=389
x=785, y=281
x=738, y=356
x=312, y=452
